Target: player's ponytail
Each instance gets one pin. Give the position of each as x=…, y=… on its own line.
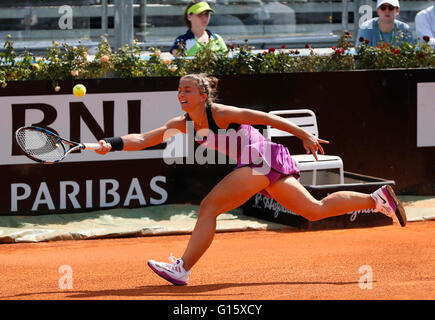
x=212, y=88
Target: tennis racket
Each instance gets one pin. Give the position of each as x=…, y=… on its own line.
x=44, y=146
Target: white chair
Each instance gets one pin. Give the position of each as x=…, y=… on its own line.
x=306, y=119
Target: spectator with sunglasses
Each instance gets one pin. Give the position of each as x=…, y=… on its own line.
x=197, y=17
x=425, y=25
x=385, y=28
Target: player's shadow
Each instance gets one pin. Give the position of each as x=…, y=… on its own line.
x=169, y=290
x=191, y=290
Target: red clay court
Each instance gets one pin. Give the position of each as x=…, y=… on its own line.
x=254, y=265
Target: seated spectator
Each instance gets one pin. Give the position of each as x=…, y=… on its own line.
x=197, y=17
x=385, y=28
x=274, y=17
x=425, y=25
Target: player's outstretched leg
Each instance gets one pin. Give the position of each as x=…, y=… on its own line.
x=230, y=193
x=294, y=196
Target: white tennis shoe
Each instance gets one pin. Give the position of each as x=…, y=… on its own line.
x=388, y=204
x=173, y=272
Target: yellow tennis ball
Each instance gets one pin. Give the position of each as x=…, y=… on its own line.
x=79, y=90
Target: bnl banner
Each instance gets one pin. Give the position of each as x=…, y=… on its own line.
x=85, y=180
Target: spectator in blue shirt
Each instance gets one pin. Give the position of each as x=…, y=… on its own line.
x=385, y=28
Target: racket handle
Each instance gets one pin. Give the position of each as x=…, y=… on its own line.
x=92, y=146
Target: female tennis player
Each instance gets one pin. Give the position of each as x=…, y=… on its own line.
x=275, y=175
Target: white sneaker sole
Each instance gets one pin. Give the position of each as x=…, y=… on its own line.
x=400, y=211
x=166, y=275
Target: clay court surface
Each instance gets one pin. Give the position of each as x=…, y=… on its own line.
x=250, y=265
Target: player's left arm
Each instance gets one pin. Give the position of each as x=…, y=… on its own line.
x=228, y=114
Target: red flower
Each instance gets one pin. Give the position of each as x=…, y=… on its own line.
x=283, y=46
x=426, y=38
x=264, y=53
x=307, y=46
x=334, y=48
x=339, y=51
x=366, y=41
x=361, y=39
x=396, y=51
x=271, y=50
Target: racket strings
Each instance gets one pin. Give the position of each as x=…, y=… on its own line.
x=40, y=145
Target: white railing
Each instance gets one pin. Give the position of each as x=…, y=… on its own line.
x=115, y=18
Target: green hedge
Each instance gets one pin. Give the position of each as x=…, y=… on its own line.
x=62, y=62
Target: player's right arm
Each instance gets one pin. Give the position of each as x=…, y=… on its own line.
x=139, y=141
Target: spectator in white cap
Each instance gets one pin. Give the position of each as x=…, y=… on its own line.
x=385, y=28
x=425, y=25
